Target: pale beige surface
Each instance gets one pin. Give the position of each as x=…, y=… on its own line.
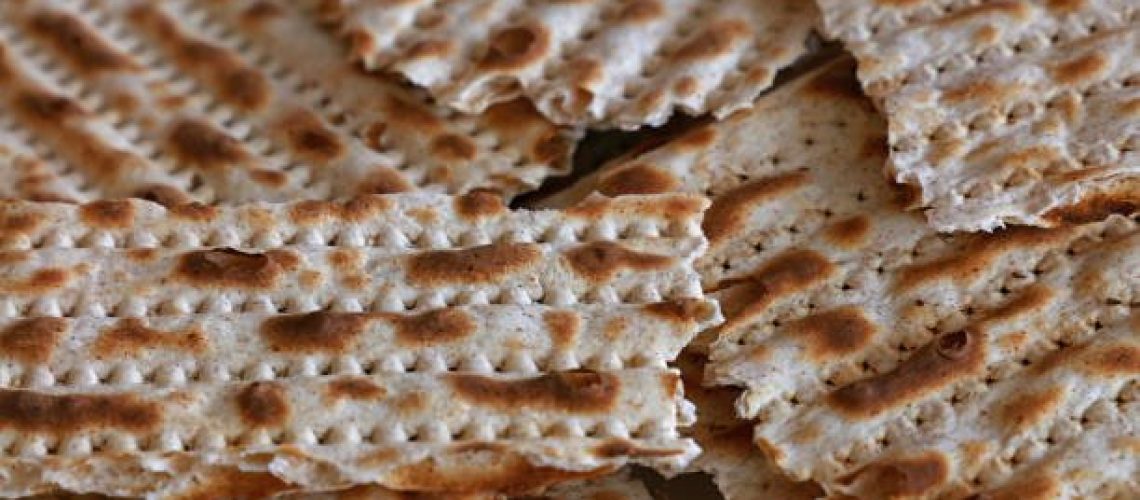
x=245, y=101
x=1011, y=112
x=605, y=64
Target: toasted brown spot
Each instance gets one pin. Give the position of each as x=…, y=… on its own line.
x=482, y=264
x=901, y=477
x=438, y=326
x=77, y=44
x=263, y=404
x=585, y=73
x=790, y=272
x=9, y=257
x=468, y=469
x=551, y=148
x=430, y=49
x=236, y=484
x=667, y=206
x=309, y=139
x=1095, y=208
x=516, y=48
x=221, y=69
x=942, y=362
x=1026, y=410
x=615, y=448
x=384, y=180
x=834, y=333
x=411, y=403
x=637, y=179
x=32, y=341
x=19, y=223
x=849, y=233
x=413, y=116
x=683, y=311
x=1081, y=69
x=640, y=12
x=202, y=145
x=985, y=91
x=311, y=212
x=261, y=12
x=564, y=327
x=601, y=261
x=345, y=260
x=686, y=86
x=453, y=148
x=315, y=332
x=230, y=268
x=1031, y=488
x=130, y=336
x=358, y=388
x=1065, y=6
x=729, y=211
x=118, y=214
x=1112, y=360
x=33, y=412
x=194, y=211
x=1029, y=301
x=480, y=203
x=978, y=256
x=697, y=139
x=163, y=194
x=572, y=392
x=46, y=109
x=41, y=281
x=838, y=82
x=716, y=40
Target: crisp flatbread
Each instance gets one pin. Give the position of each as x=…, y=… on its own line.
x=609, y=63
x=878, y=356
x=451, y=346
x=1003, y=112
x=245, y=101
x=802, y=168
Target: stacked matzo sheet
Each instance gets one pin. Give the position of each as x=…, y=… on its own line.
x=610, y=63
x=879, y=357
x=412, y=342
x=233, y=102
x=1003, y=112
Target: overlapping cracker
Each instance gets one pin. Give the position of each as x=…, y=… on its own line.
x=802, y=168
x=610, y=63
x=798, y=169
x=879, y=357
x=450, y=347
x=1004, y=112
x=958, y=365
x=233, y=102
